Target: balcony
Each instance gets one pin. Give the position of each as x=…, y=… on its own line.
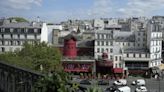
x=156, y=38
x=136, y=59
x=138, y=68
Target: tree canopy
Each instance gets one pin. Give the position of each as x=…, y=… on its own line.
x=37, y=56
x=19, y=19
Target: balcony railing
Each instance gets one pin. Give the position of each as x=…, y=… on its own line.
x=139, y=68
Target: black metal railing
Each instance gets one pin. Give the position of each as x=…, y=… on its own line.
x=16, y=79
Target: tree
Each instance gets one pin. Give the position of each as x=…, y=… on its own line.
x=35, y=56
x=18, y=19
x=54, y=82
x=43, y=58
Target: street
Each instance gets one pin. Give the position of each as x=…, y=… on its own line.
x=153, y=85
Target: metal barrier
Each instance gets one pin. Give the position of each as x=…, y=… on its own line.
x=16, y=79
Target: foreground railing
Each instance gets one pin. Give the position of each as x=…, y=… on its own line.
x=16, y=79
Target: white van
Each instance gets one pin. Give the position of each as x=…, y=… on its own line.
x=120, y=82
x=123, y=89
x=140, y=82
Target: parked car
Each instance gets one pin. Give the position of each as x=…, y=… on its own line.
x=120, y=82
x=87, y=82
x=102, y=82
x=111, y=89
x=140, y=82
x=141, y=89
x=123, y=89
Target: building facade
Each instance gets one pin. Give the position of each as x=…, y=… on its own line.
x=14, y=35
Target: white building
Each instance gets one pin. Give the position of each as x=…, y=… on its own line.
x=13, y=35
x=154, y=43
x=140, y=49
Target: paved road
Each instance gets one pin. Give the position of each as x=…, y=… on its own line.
x=152, y=85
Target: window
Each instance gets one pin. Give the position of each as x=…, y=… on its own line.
x=102, y=36
x=107, y=50
x=3, y=43
x=111, y=50
x=139, y=55
x=128, y=44
x=25, y=36
x=106, y=43
x=98, y=43
x=18, y=42
x=30, y=30
x=120, y=66
x=134, y=55
x=127, y=55
x=115, y=58
x=146, y=55
x=139, y=34
x=18, y=36
x=102, y=50
x=11, y=36
x=111, y=43
x=98, y=50
x=98, y=36
x=102, y=43
x=107, y=36
x=111, y=57
x=120, y=58
x=11, y=42
x=39, y=31
x=116, y=65
x=3, y=49
x=35, y=36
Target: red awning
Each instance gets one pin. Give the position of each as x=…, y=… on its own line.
x=76, y=70
x=118, y=70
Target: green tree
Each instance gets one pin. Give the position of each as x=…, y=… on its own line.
x=54, y=82
x=19, y=19
x=43, y=58
x=38, y=56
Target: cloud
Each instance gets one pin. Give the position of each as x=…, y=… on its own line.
x=19, y=4
x=100, y=8
x=141, y=7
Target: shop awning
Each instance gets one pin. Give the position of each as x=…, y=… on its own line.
x=118, y=70
x=76, y=70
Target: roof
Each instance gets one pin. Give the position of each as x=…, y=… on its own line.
x=85, y=43
x=125, y=39
x=70, y=36
x=22, y=25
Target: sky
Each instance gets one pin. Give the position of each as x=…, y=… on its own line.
x=61, y=10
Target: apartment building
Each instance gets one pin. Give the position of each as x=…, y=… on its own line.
x=135, y=50
x=13, y=35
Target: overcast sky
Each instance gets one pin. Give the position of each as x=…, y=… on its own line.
x=59, y=10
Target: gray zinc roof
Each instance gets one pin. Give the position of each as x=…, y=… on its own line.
x=22, y=25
